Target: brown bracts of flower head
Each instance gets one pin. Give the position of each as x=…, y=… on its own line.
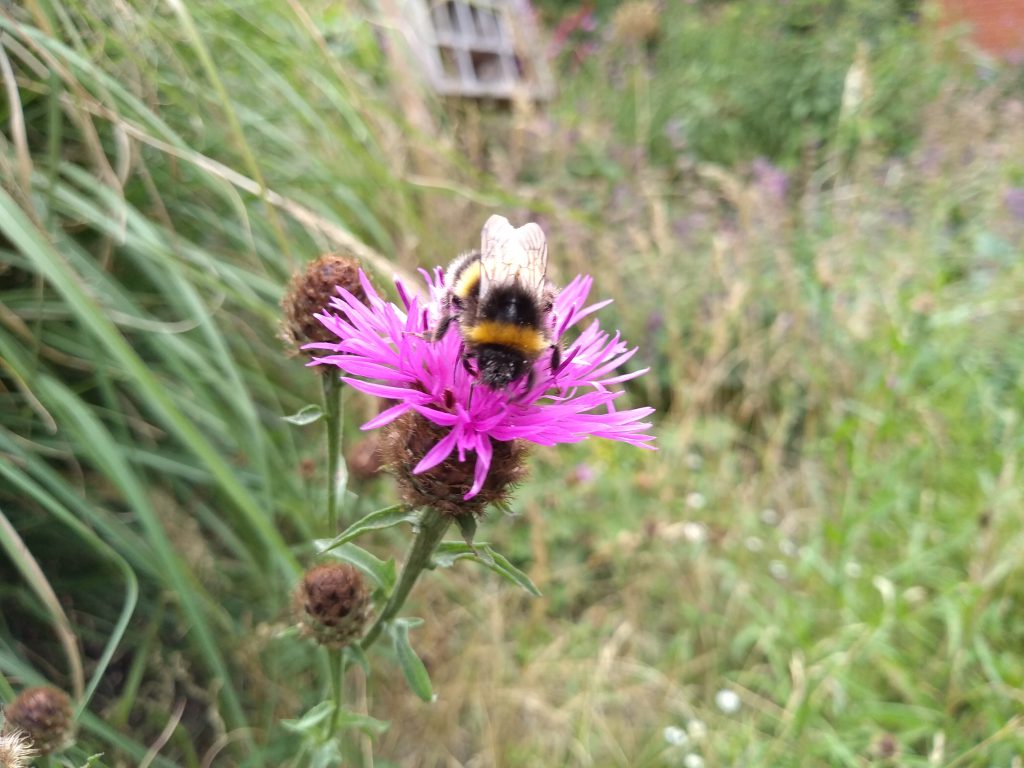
x=310, y=291
x=406, y=441
x=44, y=715
x=333, y=603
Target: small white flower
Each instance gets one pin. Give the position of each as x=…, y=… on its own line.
x=694, y=532
x=696, y=729
x=853, y=569
x=727, y=701
x=778, y=569
x=693, y=761
x=788, y=548
x=915, y=595
x=885, y=588
x=696, y=500
x=769, y=516
x=754, y=544
x=675, y=736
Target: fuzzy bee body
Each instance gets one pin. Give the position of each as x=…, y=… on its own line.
x=501, y=300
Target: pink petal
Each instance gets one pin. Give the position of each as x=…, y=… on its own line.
x=387, y=416
x=438, y=453
x=484, y=451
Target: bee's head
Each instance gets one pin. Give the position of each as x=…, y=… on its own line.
x=500, y=365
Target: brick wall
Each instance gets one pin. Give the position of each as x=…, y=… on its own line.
x=997, y=26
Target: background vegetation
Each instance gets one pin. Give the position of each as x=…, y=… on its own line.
x=811, y=217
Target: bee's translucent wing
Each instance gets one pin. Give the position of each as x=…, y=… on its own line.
x=513, y=255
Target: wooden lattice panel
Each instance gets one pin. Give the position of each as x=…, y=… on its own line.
x=480, y=48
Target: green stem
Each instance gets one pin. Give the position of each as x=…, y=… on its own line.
x=432, y=527
x=332, y=413
x=336, y=665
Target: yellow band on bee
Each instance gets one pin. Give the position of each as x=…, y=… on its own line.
x=468, y=281
x=525, y=339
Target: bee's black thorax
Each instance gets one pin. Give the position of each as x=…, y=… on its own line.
x=511, y=304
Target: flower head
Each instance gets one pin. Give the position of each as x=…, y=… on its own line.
x=387, y=351
x=333, y=603
x=308, y=293
x=44, y=715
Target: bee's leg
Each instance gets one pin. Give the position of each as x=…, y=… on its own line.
x=442, y=328
x=466, y=364
x=530, y=381
x=556, y=357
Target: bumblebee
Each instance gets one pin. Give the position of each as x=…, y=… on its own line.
x=501, y=301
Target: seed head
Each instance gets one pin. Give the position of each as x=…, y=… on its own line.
x=445, y=487
x=310, y=291
x=334, y=604
x=44, y=715
x=15, y=749
x=636, y=22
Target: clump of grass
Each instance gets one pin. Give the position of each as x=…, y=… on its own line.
x=168, y=170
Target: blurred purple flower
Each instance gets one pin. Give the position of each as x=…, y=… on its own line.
x=387, y=352
x=584, y=473
x=1014, y=201
x=771, y=179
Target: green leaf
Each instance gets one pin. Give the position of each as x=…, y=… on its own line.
x=450, y=552
x=313, y=718
x=413, y=669
x=467, y=525
x=354, y=654
x=306, y=415
x=375, y=521
x=384, y=573
x=327, y=755
x=364, y=723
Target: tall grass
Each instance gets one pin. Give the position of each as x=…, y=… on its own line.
x=831, y=529
x=165, y=169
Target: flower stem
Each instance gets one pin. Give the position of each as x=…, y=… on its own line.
x=336, y=665
x=332, y=414
x=432, y=527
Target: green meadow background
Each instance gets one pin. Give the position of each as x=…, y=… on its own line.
x=811, y=217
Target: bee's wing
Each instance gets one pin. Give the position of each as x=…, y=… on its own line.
x=513, y=255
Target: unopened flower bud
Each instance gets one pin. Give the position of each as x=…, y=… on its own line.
x=44, y=715
x=334, y=603
x=310, y=292
x=444, y=488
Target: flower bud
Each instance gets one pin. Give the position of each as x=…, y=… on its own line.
x=334, y=604
x=310, y=292
x=45, y=716
x=444, y=488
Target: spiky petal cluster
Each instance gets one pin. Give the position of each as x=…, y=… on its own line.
x=387, y=351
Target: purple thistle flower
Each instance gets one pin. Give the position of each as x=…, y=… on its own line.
x=387, y=351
